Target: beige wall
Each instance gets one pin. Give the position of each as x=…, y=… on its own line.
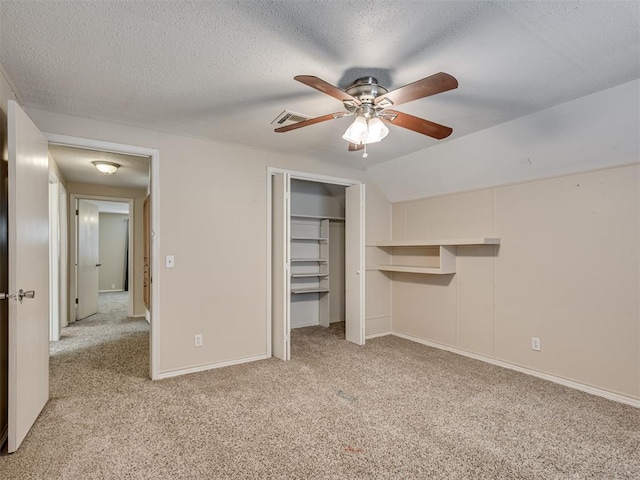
x=378, y=288
x=213, y=219
x=138, y=196
x=567, y=271
x=113, y=246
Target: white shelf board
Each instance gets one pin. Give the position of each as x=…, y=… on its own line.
x=410, y=269
x=316, y=217
x=436, y=243
x=310, y=239
x=308, y=275
x=318, y=260
x=309, y=290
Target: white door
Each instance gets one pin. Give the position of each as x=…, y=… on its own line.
x=88, y=260
x=280, y=262
x=354, y=264
x=28, y=274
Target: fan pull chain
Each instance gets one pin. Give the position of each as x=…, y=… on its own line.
x=365, y=154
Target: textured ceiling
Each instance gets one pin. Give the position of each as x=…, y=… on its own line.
x=224, y=69
x=76, y=166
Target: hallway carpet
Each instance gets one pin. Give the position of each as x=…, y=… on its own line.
x=390, y=410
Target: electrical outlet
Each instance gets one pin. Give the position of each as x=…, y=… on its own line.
x=535, y=344
x=113, y=285
x=197, y=340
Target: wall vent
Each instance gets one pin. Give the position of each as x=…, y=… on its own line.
x=288, y=117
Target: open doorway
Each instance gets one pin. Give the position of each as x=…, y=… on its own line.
x=104, y=256
x=105, y=234
x=104, y=253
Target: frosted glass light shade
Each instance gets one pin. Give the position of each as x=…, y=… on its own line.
x=107, y=168
x=377, y=130
x=357, y=131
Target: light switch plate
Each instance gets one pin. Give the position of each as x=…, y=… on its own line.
x=169, y=261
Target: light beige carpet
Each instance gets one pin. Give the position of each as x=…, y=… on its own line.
x=390, y=410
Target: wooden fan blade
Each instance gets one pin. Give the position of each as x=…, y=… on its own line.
x=354, y=148
x=311, y=121
x=324, y=87
x=438, y=83
x=417, y=124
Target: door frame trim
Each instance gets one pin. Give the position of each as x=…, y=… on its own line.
x=312, y=177
x=55, y=265
x=154, y=190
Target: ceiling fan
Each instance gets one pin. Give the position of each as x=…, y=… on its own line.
x=370, y=103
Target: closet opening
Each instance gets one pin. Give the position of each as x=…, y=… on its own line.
x=316, y=257
x=317, y=254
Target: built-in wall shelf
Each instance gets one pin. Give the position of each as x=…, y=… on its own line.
x=298, y=291
x=432, y=257
x=310, y=239
x=309, y=265
x=435, y=243
x=409, y=269
x=316, y=217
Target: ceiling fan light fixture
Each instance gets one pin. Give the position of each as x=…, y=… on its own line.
x=106, y=168
x=368, y=101
x=357, y=132
x=377, y=130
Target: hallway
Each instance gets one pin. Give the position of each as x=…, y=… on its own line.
x=107, y=340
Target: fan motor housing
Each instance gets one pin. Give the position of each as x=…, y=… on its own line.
x=366, y=89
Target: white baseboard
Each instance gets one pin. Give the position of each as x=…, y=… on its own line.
x=379, y=334
x=140, y=315
x=211, y=366
x=147, y=316
x=111, y=291
x=616, y=397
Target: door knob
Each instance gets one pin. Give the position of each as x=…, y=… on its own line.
x=21, y=295
x=98, y=264
x=28, y=294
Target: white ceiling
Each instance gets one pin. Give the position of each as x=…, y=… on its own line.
x=224, y=69
x=76, y=166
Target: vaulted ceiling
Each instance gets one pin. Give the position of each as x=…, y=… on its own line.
x=224, y=70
